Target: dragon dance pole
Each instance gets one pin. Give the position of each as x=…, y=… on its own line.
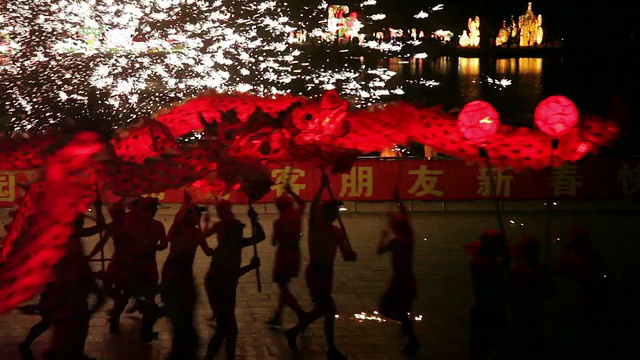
x=483, y=153
x=255, y=253
x=554, y=145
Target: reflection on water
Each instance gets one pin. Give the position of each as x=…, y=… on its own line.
x=469, y=66
x=520, y=66
x=513, y=86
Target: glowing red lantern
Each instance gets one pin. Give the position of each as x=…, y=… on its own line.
x=478, y=121
x=556, y=116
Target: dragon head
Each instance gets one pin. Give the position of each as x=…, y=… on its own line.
x=321, y=121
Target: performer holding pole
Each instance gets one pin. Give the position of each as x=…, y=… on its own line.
x=344, y=230
x=221, y=280
x=396, y=302
x=324, y=240
x=287, y=230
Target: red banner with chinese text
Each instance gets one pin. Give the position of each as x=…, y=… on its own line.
x=444, y=180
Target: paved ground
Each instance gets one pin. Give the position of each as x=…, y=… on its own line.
x=442, y=306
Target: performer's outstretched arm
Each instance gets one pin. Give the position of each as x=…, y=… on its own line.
x=204, y=245
x=299, y=200
x=384, y=245
x=256, y=229
x=254, y=264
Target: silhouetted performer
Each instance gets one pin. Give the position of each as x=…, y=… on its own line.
x=530, y=285
x=66, y=298
x=489, y=324
x=178, y=289
x=222, y=278
x=115, y=278
x=146, y=237
x=324, y=240
x=580, y=261
x=53, y=307
x=396, y=302
x=287, y=230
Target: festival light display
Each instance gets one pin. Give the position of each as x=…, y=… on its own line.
x=472, y=37
x=530, y=28
x=341, y=23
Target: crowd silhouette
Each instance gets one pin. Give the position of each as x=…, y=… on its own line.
x=503, y=277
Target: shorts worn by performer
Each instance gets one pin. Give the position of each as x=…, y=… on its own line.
x=319, y=279
x=287, y=264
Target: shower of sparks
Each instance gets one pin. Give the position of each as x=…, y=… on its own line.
x=384, y=47
x=138, y=57
x=499, y=83
x=377, y=17
x=363, y=316
x=423, y=82
x=423, y=15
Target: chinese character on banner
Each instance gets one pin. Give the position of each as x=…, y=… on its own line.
x=630, y=179
x=359, y=180
x=425, y=183
x=502, y=182
x=159, y=196
x=565, y=180
x=287, y=175
x=7, y=187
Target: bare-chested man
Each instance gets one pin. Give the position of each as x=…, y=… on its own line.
x=286, y=236
x=178, y=289
x=222, y=278
x=146, y=237
x=324, y=240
